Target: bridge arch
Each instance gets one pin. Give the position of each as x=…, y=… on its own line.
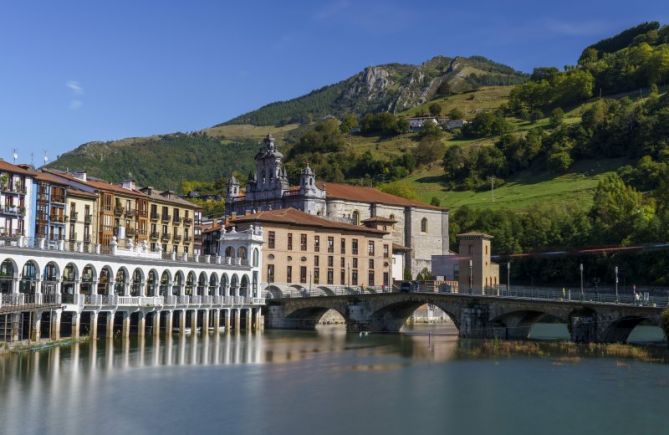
x=309, y=317
x=619, y=330
x=392, y=316
x=517, y=324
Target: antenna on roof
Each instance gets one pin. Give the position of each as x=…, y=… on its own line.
x=14, y=155
x=46, y=158
x=31, y=159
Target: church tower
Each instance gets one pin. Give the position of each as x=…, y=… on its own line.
x=271, y=180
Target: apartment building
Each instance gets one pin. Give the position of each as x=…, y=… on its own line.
x=174, y=222
x=16, y=197
x=82, y=219
x=50, y=206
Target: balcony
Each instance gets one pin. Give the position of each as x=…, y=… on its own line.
x=58, y=198
x=186, y=241
x=15, y=189
x=74, y=216
x=13, y=210
x=188, y=221
x=58, y=218
x=154, y=236
x=165, y=237
x=118, y=210
x=130, y=232
x=154, y=216
x=88, y=219
x=176, y=220
x=166, y=218
x=87, y=238
x=73, y=237
x=130, y=213
x=177, y=238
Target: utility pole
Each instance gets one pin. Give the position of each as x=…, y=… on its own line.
x=616, y=270
x=471, y=276
x=508, y=278
x=580, y=266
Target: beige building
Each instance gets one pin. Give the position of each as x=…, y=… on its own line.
x=82, y=219
x=309, y=251
x=471, y=269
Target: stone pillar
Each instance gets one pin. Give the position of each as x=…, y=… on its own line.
x=170, y=323
x=258, y=319
x=110, y=324
x=126, y=325
x=16, y=323
x=76, y=324
x=193, y=321
x=182, y=322
x=217, y=319
x=238, y=320
x=93, y=334
x=141, y=324
x=205, y=322
x=35, y=327
x=249, y=319
x=156, y=324
x=55, y=324
x=226, y=313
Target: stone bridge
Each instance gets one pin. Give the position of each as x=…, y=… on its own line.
x=475, y=316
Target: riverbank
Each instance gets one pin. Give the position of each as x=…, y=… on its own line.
x=562, y=351
x=31, y=346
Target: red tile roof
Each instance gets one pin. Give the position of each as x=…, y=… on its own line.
x=6, y=166
x=291, y=216
x=370, y=194
x=475, y=234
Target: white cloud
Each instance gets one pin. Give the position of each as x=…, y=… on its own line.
x=77, y=91
x=582, y=28
x=75, y=87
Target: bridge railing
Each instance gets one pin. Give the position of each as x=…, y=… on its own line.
x=567, y=295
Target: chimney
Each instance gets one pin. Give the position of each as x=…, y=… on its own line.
x=81, y=175
x=128, y=184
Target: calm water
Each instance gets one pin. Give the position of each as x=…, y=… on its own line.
x=323, y=382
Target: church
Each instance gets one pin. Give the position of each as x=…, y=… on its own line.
x=418, y=230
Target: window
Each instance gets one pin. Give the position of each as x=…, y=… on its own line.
x=290, y=241
x=317, y=243
x=303, y=274
x=354, y=277
x=330, y=276
x=370, y=248
x=354, y=246
x=423, y=225
x=342, y=277
x=317, y=275
x=316, y=260
x=330, y=261
x=303, y=242
x=370, y=277
x=386, y=279
x=270, y=273
x=371, y=263
x=356, y=217
x=342, y=262
x=271, y=239
x=355, y=263
x=386, y=251
x=289, y=274
x=392, y=217
x=343, y=246
x=331, y=244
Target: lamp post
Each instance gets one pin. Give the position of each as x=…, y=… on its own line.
x=580, y=266
x=471, y=276
x=508, y=279
x=616, y=270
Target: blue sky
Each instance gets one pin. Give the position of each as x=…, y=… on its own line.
x=73, y=72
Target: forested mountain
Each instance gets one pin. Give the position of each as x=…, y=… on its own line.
x=386, y=88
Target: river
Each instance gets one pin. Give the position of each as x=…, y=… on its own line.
x=325, y=382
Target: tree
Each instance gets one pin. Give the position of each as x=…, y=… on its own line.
x=435, y=201
x=424, y=275
x=455, y=162
x=428, y=151
x=557, y=116
x=435, y=109
x=456, y=114
x=348, y=123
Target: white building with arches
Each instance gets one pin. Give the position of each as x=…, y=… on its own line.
x=58, y=292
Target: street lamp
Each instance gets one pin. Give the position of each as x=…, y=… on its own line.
x=580, y=266
x=508, y=279
x=616, y=270
x=471, y=277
